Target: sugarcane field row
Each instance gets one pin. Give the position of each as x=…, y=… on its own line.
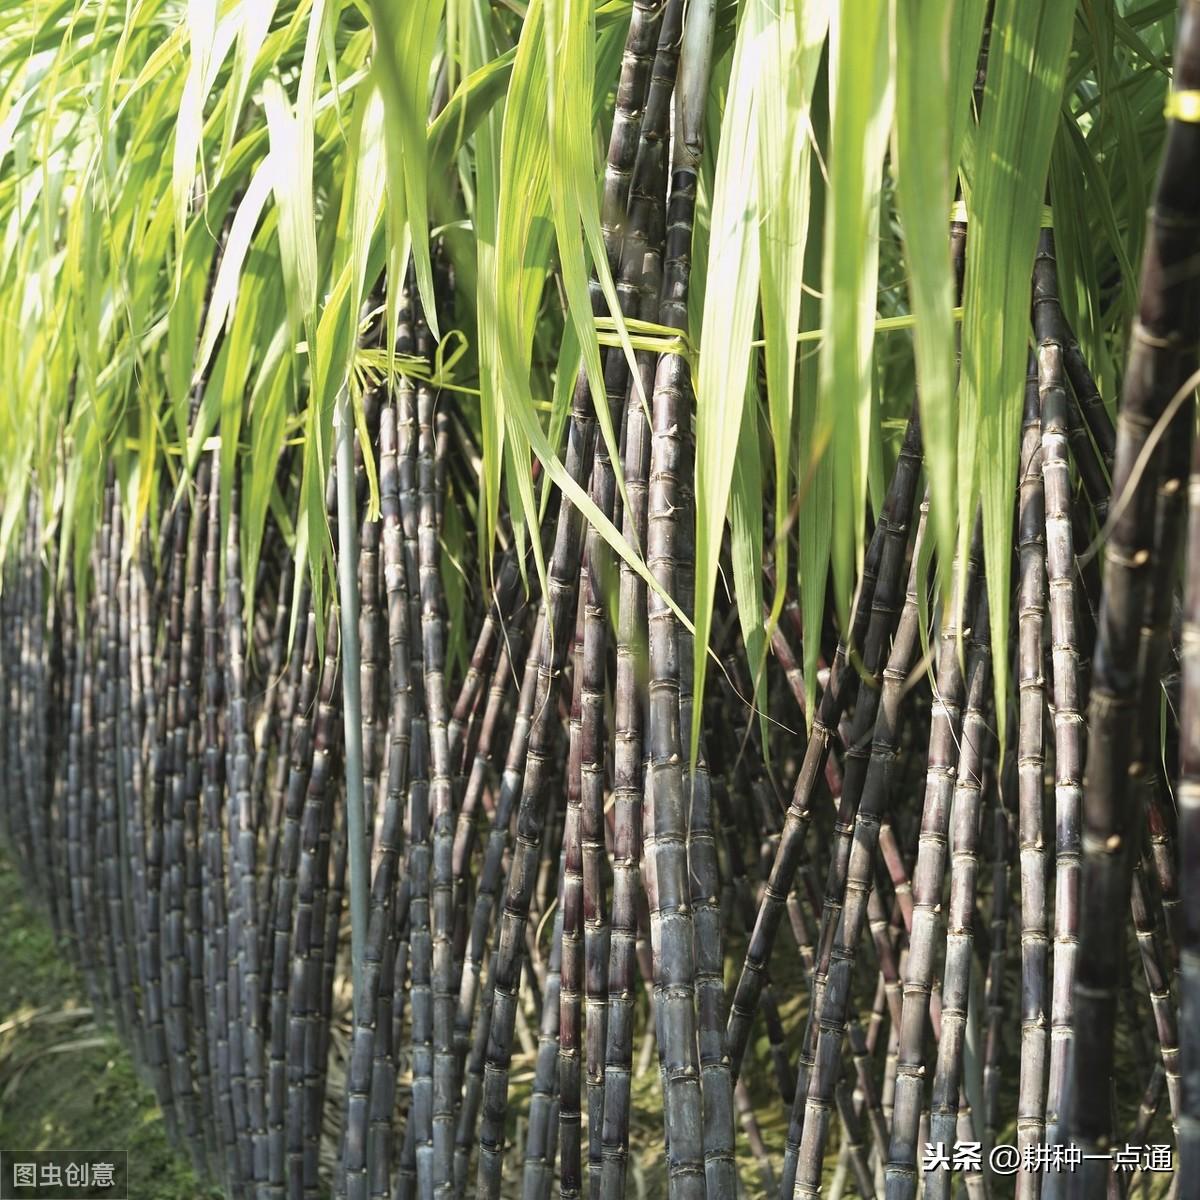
x=639, y=636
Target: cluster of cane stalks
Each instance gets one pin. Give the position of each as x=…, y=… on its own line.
x=838, y=945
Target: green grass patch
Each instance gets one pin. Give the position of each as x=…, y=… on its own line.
x=66, y=1080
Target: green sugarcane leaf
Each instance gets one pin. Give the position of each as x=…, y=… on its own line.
x=570, y=39
x=814, y=486
x=523, y=236
x=930, y=105
x=405, y=40
x=474, y=99
x=746, y=549
x=860, y=109
x=253, y=23
x=1026, y=69
x=268, y=424
x=223, y=297
x=784, y=157
x=730, y=305
x=560, y=405
x=479, y=47
x=291, y=180
x=189, y=124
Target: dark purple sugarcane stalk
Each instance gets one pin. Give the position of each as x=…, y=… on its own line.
x=1003, y=829
x=394, y=964
x=1035, y=1032
x=490, y=878
x=1087, y=395
x=267, y=787
x=1158, y=649
x=58, y=659
x=441, y=800
x=300, y=745
x=370, y=623
x=1069, y=728
x=781, y=647
x=327, y=906
x=174, y=969
x=1092, y=473
x=221, y=1013
x=488, y=644
x=1158, y=983
x=245, y=935
x=671, y=918
x=552, y=639
x=77, y=843
x=1187, y=795
x=867, y=639
x=504, y=682
x=133, y=845
x=1162, y=831
x=1149, y=1105
x=570, y=891
x=111, y=836
x=699, y=1129
x=155, y=690
x=318, y=896
x=419, y=832
x=865, y=797
x=639, y=283
x=717, y=1087
x=945, y=735
x=1125, y=679
x=556, y=1078
x=964, y=868
x=368, y=1131
x=188, y=781
x=538, y=1174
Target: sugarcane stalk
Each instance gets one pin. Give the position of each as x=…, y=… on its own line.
x=1087, y=394
x=865, y=796
x=352, y=710
x=489, y=880
x=1162, y=356
x=1068, y=719
x=1188, y=800
x=640, y=269
x=570, y=924
x=299, y=771
x=1158, y=984
x=1035, y=1031
x=717, y=1087
x=944, y=740
x=446, y=1085
x=221, y=1014
x=964, y=865
x=367, y=1146
x=1003, y=828
x=303, y=1001
x=246, y=963
x=867, y=637
x=538, y=1173
x=133, y=845
x=745, y=901
x=552, y=641
x=267, y=786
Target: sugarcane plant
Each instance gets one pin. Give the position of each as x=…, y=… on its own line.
x=600, y=598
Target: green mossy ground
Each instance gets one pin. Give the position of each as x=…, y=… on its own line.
x=64, y=1082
